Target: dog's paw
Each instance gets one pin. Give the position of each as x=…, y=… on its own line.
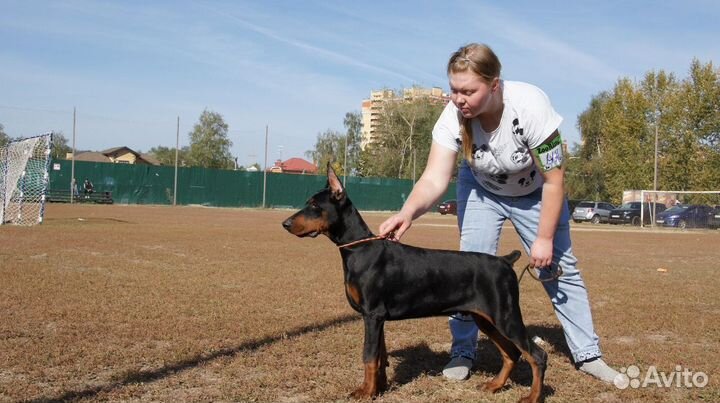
x=491, y=386
x=528, y=399
x=362, y=393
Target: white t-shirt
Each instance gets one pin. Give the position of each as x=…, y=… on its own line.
x=502, y=163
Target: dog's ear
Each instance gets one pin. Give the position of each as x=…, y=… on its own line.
x=334, y=184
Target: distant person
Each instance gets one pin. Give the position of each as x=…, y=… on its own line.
x=512, y=168
x=74, y=186
x=88, y=188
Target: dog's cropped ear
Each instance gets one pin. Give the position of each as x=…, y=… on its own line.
x=334, y=184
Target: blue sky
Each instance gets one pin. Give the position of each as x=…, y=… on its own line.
x=132, y=67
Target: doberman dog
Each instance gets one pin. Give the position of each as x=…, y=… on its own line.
x=386, y=280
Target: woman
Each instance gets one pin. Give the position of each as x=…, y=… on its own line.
x=511, y=169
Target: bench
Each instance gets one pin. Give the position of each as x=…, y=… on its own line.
x=63, y=196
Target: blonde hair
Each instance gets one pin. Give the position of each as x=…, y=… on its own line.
x=480, y=60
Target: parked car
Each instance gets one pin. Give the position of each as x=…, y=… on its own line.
x=629, y=213
x=714, y=220
x=448, y=207
x=595, y=212
x=686, y=216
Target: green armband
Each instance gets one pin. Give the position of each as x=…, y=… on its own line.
x=550, y=155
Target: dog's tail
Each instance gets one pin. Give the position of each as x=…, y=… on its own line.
x=512, y=257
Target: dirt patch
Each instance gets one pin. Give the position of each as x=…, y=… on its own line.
x=145, y=303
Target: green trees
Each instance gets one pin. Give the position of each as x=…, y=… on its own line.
x=404, y=138
x=342, y=150
x=404, y=127
x=60, y=148
x=4, y=138
x=329, y=147
x=619, y=130
x=209, y=145
x=166, y=155
x=209, y=142
x=353, y=136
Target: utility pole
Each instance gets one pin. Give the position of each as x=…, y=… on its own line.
x=655, y=179
x=177, y=151
x=655, y=174
x=73, y=182
x=265, y=170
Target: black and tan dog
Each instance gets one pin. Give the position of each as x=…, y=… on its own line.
x=386, y=280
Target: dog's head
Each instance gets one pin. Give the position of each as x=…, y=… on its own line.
x=322, y=212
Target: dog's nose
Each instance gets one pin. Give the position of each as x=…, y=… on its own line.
x=287, y=224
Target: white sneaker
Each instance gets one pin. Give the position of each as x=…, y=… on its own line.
x=458, y=369
x=599, y=369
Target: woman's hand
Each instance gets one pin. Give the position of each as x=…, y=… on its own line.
x=541, y=252
x=397, y=224
x=432, y=184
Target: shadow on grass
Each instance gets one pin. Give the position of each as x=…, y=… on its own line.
x=199, y=360
x=420, y=359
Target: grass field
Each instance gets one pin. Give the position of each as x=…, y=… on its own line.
x=140, y=303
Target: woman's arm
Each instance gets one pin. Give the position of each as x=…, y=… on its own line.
x=553, y=196
x=428, y=189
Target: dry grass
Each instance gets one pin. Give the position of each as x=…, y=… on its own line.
x=134, y=303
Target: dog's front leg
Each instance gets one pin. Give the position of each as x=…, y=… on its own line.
x=374, y=359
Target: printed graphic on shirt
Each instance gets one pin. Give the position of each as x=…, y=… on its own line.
x=490, y=185
x=480, y=153
x=516, y=129
x=499, y=178
x=550, y=155
x=525, y=182
x=520, y=156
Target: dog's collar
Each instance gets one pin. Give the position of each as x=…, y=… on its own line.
x=391, y=235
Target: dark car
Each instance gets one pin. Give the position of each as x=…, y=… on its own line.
x=686, y=216
x=592, y=211
x=448, y=207
x=714, y=220
x=629, y=213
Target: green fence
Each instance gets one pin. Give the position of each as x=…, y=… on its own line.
x=145, y=184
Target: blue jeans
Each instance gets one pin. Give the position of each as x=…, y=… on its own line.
x=481, y=215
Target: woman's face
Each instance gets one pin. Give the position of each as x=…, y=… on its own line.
x=471, y=94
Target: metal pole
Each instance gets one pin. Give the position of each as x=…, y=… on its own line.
x=655, y=175
x=177, y=151
x=656, y=158
x=73, y=182
x=265, y=170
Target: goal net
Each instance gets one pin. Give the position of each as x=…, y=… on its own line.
x=681, y=208
x=24, y=180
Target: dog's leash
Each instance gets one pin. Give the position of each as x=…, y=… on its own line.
x=389, y=235
x=530, y=270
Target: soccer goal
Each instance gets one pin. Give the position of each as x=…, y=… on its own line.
x=24, y=180
x=701, y=208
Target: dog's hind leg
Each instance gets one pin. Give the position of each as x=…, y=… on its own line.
x=510, y=353
x=537, y=358
x=532, y=353
x=374, y=359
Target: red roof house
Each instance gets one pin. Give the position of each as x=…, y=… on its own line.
x=294, y=166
